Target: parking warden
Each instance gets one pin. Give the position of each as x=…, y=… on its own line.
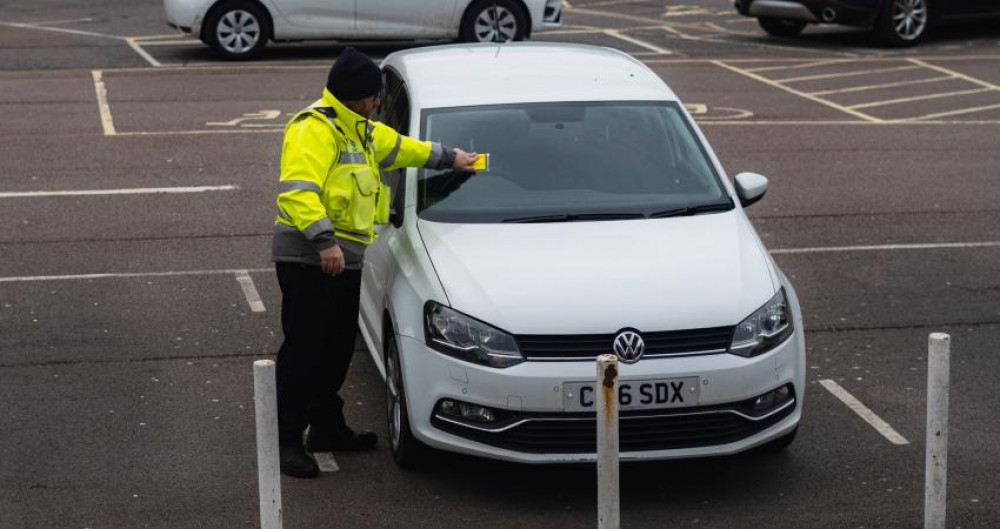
x=330, y=198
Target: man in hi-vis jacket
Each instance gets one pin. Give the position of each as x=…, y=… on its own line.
x=331, y=196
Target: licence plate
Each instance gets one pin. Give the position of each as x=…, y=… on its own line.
x=635, y=394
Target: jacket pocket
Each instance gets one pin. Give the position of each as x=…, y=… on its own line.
x=363, y=199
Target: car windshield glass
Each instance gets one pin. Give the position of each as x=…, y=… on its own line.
x=561, y=162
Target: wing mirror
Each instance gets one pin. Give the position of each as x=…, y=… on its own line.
x=750, y=187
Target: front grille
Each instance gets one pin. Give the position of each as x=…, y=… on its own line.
x=658, y=344
x=638, y=431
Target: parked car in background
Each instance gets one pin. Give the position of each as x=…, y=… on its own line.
x=239, y=29
x=602, y=223
x=895, y=22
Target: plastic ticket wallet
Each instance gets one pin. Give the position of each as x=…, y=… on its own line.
x=482, y=163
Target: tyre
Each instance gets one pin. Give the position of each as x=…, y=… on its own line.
x=780, y=444
x=237, y=30
x=494, y=21
x=407, y=451
x=902, y=22
x=781, y=27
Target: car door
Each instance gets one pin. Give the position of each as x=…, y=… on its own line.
x=964, y=8
x=379, y=265
x=318, y=18
x=407, y=18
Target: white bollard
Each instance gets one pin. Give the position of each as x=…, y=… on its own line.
x=608, y=515
x=268, y=470
x=936, y=477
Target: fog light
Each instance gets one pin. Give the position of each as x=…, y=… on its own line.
x=467, y=412
x=782, y=394
x=764, y=401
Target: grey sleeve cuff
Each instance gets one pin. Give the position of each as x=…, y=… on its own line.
x=323, y=241
x=442, y=157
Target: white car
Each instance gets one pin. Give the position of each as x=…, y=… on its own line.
x=603, y=223
x=239, y=29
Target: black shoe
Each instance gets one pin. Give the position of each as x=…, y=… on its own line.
x=345, y=440
x=295, y=462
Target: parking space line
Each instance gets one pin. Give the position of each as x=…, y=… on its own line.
x=250, y=291
x=919, y=98
x=641, y=43
x=131, y=191
x=326, y=462
x=812, y=64
x=181, y=273
x=61, y=30
x=864, y=412
x=799, y=93
x=952, y=113
x=142, y=53
x=953, y=73
x=845, y=74
x=107, y=122
x=880, y=86
x=889, y=247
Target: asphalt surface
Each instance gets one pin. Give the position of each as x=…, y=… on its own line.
x=128, y=398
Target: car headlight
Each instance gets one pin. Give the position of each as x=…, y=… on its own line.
x=455, y=334
x=765, y=328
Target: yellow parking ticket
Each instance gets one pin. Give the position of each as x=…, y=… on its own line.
x=482, y=163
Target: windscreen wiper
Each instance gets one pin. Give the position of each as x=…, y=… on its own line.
x=691, y=210
x=575, y=217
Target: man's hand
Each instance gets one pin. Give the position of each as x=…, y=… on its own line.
x=332, y=260
x=464, y=161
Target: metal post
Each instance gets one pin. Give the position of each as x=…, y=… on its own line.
x=607, y=443
x=935, y=479
x=268, y=471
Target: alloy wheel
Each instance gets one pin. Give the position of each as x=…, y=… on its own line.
x=238, y=31
x=909, y=18
x=495, y=24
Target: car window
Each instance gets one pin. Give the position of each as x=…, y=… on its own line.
x=596, y=159
x=395, y=108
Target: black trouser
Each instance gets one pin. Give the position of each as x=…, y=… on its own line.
x=319, y=316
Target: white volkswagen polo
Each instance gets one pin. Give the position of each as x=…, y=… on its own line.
x=603, y=222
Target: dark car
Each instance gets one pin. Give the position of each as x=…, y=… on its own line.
x=896, y=22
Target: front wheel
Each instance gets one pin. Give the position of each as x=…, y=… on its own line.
x=407, y=451
x=902, y=22
x=781, y=27
x=493, y=21
x=237, y=30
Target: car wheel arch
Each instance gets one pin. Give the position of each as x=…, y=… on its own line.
x=269, y=22
x=519, y=4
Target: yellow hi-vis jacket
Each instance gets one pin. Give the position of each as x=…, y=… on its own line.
x=331, y=187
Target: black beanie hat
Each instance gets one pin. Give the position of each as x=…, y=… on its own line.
x=354, y=76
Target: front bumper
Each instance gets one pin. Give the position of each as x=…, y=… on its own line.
x=545, y=433
x=849, y=13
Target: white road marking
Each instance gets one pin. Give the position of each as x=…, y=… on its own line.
x=250, y=291
x=641, y=43
x=890, y=247
x=132, y=191
x=953, y=73
x=920, y=98
x=880, y=86
x=799, y=93
x=868, y=415
x=953, y=113
x=107, y=122
x=812, y=64
x=845, y=74
x=61, y=30
x=175, y=42
x=78, y=277
x=326, y=462
x=142, y=53
x=196, y=132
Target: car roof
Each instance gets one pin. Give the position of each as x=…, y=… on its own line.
x=496, y=74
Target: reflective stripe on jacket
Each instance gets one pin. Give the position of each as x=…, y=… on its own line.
x=331, y=187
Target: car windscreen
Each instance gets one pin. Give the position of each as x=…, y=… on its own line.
x=570, y=161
